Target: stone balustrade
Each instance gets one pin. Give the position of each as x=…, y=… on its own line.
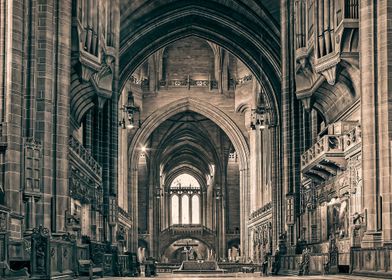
x=77, y=148
x=259, y=212
x=188, y=229
x=352, y=138
x=327, y=155
x=189, y=82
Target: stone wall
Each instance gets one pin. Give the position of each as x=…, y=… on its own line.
x=191, y=56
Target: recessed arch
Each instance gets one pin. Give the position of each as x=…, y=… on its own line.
x=209, y=111
x=196, y=105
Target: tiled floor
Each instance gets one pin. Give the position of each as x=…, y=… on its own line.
x=243, y=276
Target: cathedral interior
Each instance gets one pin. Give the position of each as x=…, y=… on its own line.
x=181, y=135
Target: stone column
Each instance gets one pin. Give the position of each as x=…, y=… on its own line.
x=168, y=210
x=287, y=92
x=384, y=18
x=11, y=58
x=133, y=186
x=245, y=211
x=370, y=121
x=190, y=209
x=204, y=207
x=180, y=209
x=276, y=195
x=253, y=170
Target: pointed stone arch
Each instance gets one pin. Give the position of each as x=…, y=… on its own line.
x=219, y=118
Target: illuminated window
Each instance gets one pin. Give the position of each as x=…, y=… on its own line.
x=185, y=200
x=185, y=210
x=195, y=209
x=175, y=215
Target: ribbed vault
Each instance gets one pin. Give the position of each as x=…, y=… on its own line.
x=186, y=146
x=194, y=105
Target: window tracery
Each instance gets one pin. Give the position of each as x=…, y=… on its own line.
x=185, y=200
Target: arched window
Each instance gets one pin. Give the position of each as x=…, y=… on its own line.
x=185, y=200
x=195, y=209
x=185, y=210
x=175, y=210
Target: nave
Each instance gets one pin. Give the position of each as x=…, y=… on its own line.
x=176, y=136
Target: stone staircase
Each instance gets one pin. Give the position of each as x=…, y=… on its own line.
x=199, y=267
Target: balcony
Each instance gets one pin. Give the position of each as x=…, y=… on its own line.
x=85, y=175
x=328, y=155
x=262, y=211
x=83, y=157
x=188, y=230
x=190, y=82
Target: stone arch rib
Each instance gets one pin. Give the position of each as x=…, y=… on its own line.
x=196, y=105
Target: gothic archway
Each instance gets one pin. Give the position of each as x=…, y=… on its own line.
x=214, y=114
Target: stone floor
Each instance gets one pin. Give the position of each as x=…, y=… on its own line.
x=242, y=276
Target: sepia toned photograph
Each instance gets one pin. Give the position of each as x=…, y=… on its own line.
x=195, y=139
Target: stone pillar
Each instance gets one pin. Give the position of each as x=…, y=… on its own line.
x=370, y=122
x=276, y=195
x=190, y=209
x=133, y=186
x=384, y=18
x=152, y=222
x=11, y=58
x=287, y=92
x=253, y=170
x=168, y=209
x=180, y=210
x=313, y=121
x=245, y=211
x=204, y=208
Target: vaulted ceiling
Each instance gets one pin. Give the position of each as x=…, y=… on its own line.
x=188, y=143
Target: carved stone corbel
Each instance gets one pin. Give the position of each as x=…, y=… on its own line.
x=327, y=67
